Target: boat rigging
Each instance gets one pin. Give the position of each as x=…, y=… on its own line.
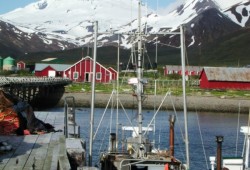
x=139, y=153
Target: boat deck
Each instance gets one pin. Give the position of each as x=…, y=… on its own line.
x=36, y=151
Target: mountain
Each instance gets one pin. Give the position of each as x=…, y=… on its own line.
x=70, y=21
x=15, y=39
x=240, y=13
x=63, y=24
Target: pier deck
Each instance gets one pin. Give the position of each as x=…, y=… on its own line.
x=45, y=151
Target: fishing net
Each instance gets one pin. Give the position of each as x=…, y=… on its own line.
x=17, y=117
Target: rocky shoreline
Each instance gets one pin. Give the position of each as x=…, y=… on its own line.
x=194, y=103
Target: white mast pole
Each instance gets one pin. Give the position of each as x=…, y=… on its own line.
x=184, y=92
x=156, y=50
x=247, y=137
x=117, y=91
x=93, y=95
x=247, y=152
x=139, y=76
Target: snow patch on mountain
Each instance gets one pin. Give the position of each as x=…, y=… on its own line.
x=240, y=14
x=72, y=20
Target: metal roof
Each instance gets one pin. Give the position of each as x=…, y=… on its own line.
x=57, y=67
x=187, y=68
x=9, y=58
x=227, y=74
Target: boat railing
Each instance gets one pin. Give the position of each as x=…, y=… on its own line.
x=146, y=162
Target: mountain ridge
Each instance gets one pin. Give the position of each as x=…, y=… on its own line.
x=204, y=20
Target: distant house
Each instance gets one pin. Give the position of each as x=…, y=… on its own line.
x=50, y=70
x=82, y=71
x=190, y=70
x=20, y=65
x=225, y=78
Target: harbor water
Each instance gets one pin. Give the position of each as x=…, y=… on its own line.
x=203, y=127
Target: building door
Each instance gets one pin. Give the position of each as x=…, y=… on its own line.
x=52, y=73
x=87, y=77
x=19, y=66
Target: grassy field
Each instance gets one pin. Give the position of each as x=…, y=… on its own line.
x=156, y=83
x=162, y=87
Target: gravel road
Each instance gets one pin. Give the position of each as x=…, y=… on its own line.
x=199, y=103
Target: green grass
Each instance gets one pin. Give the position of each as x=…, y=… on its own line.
x=162, y=88
x=18, y=73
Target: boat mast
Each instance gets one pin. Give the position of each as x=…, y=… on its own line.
x=139, y=75
x=93, y=95
x=184, y=92
x=117, y=92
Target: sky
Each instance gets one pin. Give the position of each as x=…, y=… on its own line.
x=9, y=5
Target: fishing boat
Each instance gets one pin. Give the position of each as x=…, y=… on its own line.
x=220, y=162
x=138, y=150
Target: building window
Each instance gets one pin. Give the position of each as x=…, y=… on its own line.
x=75, y=75
x=98, y=76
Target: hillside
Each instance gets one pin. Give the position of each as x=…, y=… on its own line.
x=230, y=50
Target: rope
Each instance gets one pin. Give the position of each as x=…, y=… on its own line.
x=177, y=119
x=146, y=52
x=159, y=138
x=9, y=125
x=168, y=45
x=127, y=116
x=126, y=69
x=104, y=137
x=203, y=148
x=103, y=115
x=178, y=122
x=156, y=112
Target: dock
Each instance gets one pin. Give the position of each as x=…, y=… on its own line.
x=40, y=152
x=40, y=92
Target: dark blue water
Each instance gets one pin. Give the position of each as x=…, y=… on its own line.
x=211, y=125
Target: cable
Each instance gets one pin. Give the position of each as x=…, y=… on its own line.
x=201, y=139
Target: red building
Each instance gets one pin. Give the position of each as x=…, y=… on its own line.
x=225, y=78
x=20, y=65
x=82, y=71
x=50, y=70
x=114, y=73
x=190, y=70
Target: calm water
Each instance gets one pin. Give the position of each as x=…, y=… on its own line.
x=211, y=125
